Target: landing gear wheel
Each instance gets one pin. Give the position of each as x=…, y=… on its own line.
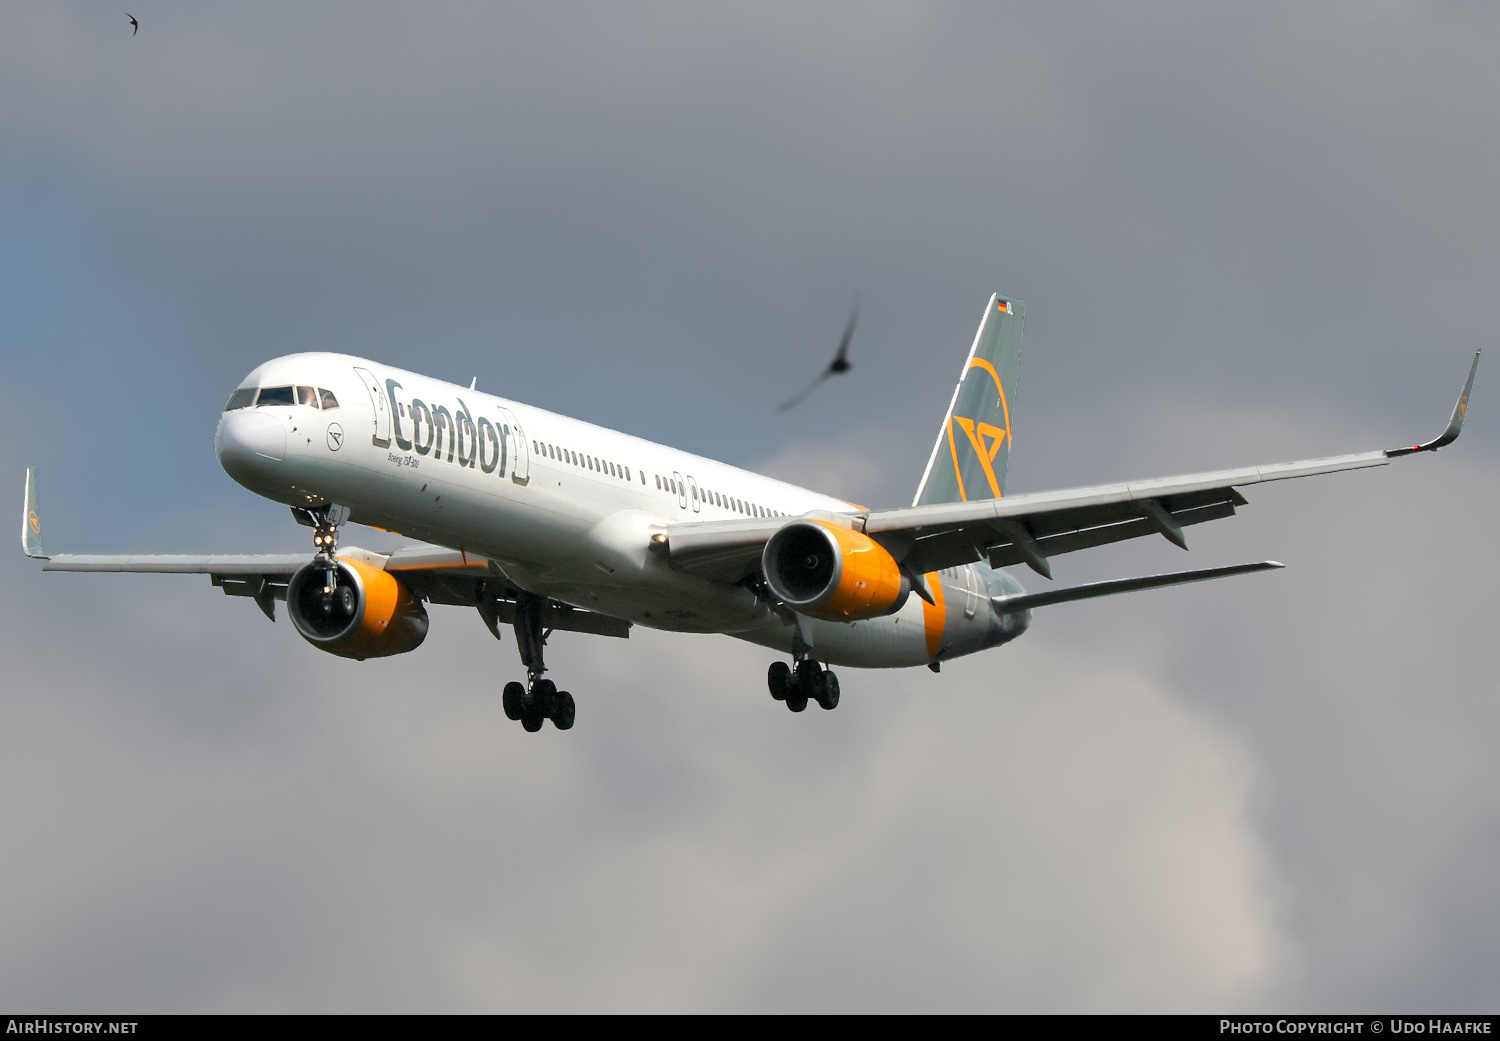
x=779, y=679
x=513, y=699
x=345, y=600
x=539, y=705
x=796, y=702
x=809, y=680
x=543, y=693
x=563, y=711
x=829, y=698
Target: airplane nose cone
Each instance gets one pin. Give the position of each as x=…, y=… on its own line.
x=249, y=444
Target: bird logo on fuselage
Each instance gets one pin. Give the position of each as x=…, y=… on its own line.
x=335, y=437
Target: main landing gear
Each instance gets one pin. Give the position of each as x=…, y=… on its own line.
x=539, y=699
x=541, y=702
x=809, y=681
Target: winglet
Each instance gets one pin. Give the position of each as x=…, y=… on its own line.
x=31, y=523
x=1455, y=422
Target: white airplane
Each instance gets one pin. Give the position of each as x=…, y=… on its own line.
x=543, y=522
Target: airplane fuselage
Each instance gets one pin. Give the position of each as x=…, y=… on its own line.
x=562, y=508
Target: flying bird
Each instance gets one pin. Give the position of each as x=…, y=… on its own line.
x=135, y=26
x=839, y=364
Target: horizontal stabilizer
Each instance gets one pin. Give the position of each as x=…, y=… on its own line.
x=1024, y=601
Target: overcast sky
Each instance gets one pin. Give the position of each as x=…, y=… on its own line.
x=1244, y=235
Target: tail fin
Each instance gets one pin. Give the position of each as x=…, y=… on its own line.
x=973, y=447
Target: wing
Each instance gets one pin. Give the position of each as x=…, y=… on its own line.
x=434, y=573
x=1029, y=529
x=1018, y=529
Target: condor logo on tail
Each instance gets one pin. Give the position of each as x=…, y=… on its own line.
x=985, y=438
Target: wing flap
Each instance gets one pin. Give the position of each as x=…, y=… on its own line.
x=729, y=565
x=1005, y=555
x=568, y=619
x=724, y=551
x=555, y=615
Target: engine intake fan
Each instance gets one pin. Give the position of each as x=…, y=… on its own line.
x=827, y=571
x=368, y=613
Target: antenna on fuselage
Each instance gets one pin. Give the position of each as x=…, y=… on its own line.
x=474, y=383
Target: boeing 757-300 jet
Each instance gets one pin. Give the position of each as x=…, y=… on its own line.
x=543, y=522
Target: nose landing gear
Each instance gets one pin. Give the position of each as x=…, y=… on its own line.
x=337, y=599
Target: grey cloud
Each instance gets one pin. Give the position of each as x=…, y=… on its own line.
x=215, y=833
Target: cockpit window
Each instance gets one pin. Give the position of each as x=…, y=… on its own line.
x=242, y=398
x=313, y=397
x=276, y=396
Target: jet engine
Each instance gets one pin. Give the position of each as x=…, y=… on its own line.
x=367, y=614
x=827, y=571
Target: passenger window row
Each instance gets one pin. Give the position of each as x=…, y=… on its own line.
x=667, y=484
x=312, y=397
x=719, y=499
x=587, y=462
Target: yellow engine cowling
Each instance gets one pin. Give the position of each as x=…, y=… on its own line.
x=821, y=569
x=369, y=613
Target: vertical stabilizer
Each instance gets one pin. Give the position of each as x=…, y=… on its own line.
x=973, y=447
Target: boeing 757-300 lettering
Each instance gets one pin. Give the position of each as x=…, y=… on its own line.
x=544, y=522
